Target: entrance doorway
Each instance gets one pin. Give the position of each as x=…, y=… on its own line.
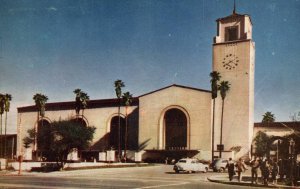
x=175, y=122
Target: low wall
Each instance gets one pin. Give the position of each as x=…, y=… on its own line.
x=25, y=166
x=2, y=163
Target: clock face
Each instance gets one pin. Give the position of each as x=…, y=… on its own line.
x=230, y=61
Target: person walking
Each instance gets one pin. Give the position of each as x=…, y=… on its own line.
x=230, y=168
x=274, y=171
x=240, y=165
x=254, y=168
x=265, y=168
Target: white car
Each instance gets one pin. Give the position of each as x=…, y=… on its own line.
x=190, y=165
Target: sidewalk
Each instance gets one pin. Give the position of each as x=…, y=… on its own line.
x=246, y=181
x=74, y=167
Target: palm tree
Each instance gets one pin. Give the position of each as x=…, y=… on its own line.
x=40, y=103
x=77, y=101
x=7, y=99
x=215, y=77
x=224, y=88
x=118, y=88
x=1, y=113
x=84, y=100
x=127, y=98
x=268, y=117
x=81, y=101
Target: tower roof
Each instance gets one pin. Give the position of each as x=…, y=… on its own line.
x=233, y=15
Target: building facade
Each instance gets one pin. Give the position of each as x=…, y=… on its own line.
x=175, y=121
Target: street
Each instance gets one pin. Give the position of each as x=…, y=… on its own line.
x=160, y=176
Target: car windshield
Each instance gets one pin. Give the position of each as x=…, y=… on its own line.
x=182, y=161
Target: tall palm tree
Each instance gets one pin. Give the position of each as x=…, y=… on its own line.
x=224, y=88
x=1, y=113
x=7, y=99
x=81, y=101
x=127, y=98
x=118, y=89
x=215, y=77
x=77, y=101
x=84, y=100
x=268, y=117
x=40, y=103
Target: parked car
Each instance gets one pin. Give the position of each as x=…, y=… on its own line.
x=219, y=165
x=190, y=165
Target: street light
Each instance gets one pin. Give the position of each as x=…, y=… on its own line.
x=278, y=144
x=291, y=152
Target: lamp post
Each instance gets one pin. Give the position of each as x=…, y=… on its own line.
x=278, y=144
x=291, y=152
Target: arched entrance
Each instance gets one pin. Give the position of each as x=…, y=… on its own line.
x=43, y=138
x=114, y=133
x=175, y=129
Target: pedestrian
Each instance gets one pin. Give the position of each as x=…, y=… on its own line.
x=274, y=171
x=281, y=169
x=240, y=165
x=254, y=168
x=230, y=168
x=265, y=168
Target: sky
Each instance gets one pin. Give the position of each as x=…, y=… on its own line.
x=53, y=47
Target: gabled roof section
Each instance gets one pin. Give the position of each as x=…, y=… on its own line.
x=103, y=103
x=175, y=85
x=233, y=15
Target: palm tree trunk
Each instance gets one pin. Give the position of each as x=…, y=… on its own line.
x=5, y=134
x=126, y=134
x=213, y=133
x=1, y=149
x=119, y=127
x=35, y=135
x=221, y=128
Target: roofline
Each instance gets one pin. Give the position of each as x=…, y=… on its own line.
x=232, y=15
x=278, y=124
x=175, y=85
x=70, y=105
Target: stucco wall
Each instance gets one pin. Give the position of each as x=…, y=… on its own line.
x=239, y=102
x=194, y=103
x=97, y=117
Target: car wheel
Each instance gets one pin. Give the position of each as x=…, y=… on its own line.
x=221, y=170
x=176, y=171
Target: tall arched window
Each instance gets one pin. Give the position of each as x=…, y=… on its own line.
x=175, y=129
x=114, y=133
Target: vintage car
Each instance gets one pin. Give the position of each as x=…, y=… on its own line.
x=190, y=165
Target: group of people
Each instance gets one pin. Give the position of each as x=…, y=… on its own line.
x=238, y=166
x=266, y=167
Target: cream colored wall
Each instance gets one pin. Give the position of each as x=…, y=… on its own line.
x=239, y=102
x=194, y=103
x=98, y=117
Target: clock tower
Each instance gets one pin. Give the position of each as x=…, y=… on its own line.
x=234, y=59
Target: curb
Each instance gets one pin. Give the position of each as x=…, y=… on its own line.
x=211, y=179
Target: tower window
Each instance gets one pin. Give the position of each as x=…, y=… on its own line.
x=231, y=33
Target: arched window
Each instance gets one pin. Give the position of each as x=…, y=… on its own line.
x=43, y=135
x=114, y=133
x=175, y=129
